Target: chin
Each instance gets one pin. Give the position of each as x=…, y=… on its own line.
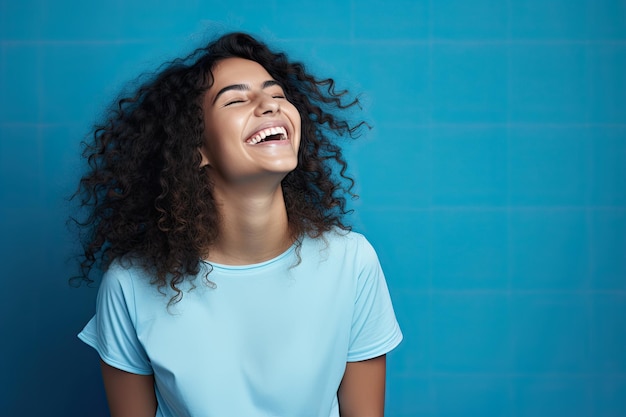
x=285, y=167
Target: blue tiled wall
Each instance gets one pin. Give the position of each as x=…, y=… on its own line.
x=493, y=186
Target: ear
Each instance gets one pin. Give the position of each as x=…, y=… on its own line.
x=205, y=157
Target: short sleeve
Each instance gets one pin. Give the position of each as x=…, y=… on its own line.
x=111, y=332
x=375, y=330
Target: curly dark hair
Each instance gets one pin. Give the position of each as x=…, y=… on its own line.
x=144, y=192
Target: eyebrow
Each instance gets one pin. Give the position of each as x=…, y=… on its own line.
x=244, y=87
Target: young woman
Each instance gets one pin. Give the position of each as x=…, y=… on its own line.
x=232, y=286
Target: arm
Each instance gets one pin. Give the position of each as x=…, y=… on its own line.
x=362, y=389
x=129, y=395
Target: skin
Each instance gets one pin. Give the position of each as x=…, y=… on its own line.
x=128, y=395
x=362, y=389
x=254, y=225
x=246, y=178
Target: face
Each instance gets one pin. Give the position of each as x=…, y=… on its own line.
x=251, y=130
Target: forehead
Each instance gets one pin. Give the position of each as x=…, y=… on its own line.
x=238, y=71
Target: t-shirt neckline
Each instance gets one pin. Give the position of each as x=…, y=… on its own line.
x=259, y=265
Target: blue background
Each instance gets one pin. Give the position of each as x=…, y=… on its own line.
x=493, y=186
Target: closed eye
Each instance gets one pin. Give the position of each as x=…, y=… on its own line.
x=233, y=102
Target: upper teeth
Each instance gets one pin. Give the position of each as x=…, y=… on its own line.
x=259, y=136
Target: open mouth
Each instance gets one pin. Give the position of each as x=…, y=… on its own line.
x=268, y=135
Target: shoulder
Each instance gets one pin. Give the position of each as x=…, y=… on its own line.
x=127, y=284
x=123, y=271
x=346, y=247
x=350, y=241
x=124, y=276
x=338, y=238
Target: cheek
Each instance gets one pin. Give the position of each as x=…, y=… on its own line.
x=295, y=117
x=297, y=122
x=219, y=132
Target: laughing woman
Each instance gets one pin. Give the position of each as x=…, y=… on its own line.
x=232, y=285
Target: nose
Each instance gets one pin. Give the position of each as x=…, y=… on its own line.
x=267, y=105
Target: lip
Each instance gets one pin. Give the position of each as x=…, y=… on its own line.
x=268, y=125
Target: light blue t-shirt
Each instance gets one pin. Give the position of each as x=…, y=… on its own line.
x=269, y=339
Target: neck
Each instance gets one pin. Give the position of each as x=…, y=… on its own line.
x=253, y=228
